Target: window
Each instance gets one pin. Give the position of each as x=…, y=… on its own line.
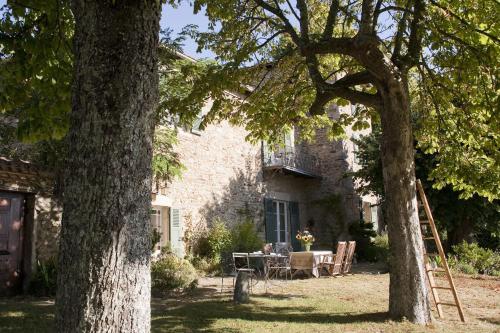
x=156, y=223
x=282, y=222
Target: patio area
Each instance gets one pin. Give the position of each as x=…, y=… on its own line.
x=353, y=303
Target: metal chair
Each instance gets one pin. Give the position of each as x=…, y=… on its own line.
x=227, y=268
x=283, y=248
x=241, y=262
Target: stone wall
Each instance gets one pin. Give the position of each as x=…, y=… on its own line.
x=47, y=217
x=224, y=179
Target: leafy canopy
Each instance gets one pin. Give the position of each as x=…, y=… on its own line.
x=290, y=60
x=36, y=67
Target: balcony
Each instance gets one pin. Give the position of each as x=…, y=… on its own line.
x=288, y=160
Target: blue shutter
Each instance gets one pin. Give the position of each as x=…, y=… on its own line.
x=270, y=221
x=293, y=208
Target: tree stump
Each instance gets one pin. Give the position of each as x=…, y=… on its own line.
x=241, y=288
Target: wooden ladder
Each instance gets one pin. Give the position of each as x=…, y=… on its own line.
x=426, y=224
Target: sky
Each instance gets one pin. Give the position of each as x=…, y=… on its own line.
x=179, y=17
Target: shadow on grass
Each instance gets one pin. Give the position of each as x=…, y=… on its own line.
x=26, y=315
x=177, y=316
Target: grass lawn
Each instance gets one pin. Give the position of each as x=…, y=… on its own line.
x=356, y=303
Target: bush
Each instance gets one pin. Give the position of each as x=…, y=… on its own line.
x=204, y=264
x=245, y=238
x=473, y=259
x=381, y=246
x=44, y=281
x=219, y=239
x=170, y=273
x=363, y=233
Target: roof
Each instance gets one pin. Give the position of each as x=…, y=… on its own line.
x=19, y=175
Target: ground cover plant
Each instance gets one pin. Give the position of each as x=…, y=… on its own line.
x=355, y=303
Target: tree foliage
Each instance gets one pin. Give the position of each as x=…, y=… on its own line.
x=290, y=60
x=36, y=66
x=457, y=218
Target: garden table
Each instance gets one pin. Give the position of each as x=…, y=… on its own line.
x=308, y=262
x=265, y=262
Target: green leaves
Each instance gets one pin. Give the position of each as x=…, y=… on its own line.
x=36, y=66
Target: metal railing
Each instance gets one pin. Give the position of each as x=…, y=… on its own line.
x=288, y=157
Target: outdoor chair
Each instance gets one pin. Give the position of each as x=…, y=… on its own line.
x=241, y=262
x=227, y=268
x=283, y=248
x=333, y=262
x=278, y=265
x=301, y=261
x=346, y=267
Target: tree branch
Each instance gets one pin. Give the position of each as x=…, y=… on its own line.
x=464, y=22
x=331, y=20
x=366, y=25
x=304, y=20
x=279, y=13
x=415, y=39
x=342, y=88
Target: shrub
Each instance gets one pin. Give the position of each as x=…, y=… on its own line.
x=381, y=245
x=155, y=238
x=171, y=272
x=245, y=238
x=473, y=259
x=219, y=239
x=363, y=233
x=204, y=264
x=44, y=281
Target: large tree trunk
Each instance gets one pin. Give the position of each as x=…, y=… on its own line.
x=104, y=277
x=408, y=294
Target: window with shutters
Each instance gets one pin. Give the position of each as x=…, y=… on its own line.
x=282, y=222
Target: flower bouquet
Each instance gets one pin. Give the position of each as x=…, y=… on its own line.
x=306, y=239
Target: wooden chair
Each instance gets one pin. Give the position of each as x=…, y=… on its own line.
x=301, y=261
x=346, y=266
x=334, y=262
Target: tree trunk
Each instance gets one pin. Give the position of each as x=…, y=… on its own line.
x=408, y=294
x=104, y=276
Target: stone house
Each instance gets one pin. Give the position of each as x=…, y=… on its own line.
x=227, y=178
x=292, y=188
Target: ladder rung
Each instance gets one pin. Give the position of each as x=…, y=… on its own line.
x=445, y=303
x=424, y=222
x=426, y=238
x=435, y=270
x=441, y=287
x=431, y=254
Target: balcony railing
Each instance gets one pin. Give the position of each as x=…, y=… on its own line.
x=291, y=161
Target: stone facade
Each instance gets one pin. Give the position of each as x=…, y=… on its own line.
x=225, y=179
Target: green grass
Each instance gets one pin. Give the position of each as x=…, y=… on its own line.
x=355, y=303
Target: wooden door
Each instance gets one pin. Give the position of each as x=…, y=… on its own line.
x=11, y=225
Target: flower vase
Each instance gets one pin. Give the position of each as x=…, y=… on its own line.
x=307, y=247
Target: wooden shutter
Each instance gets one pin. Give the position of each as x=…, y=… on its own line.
x=176, y=241
x=270, y=221
x=293, y=208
